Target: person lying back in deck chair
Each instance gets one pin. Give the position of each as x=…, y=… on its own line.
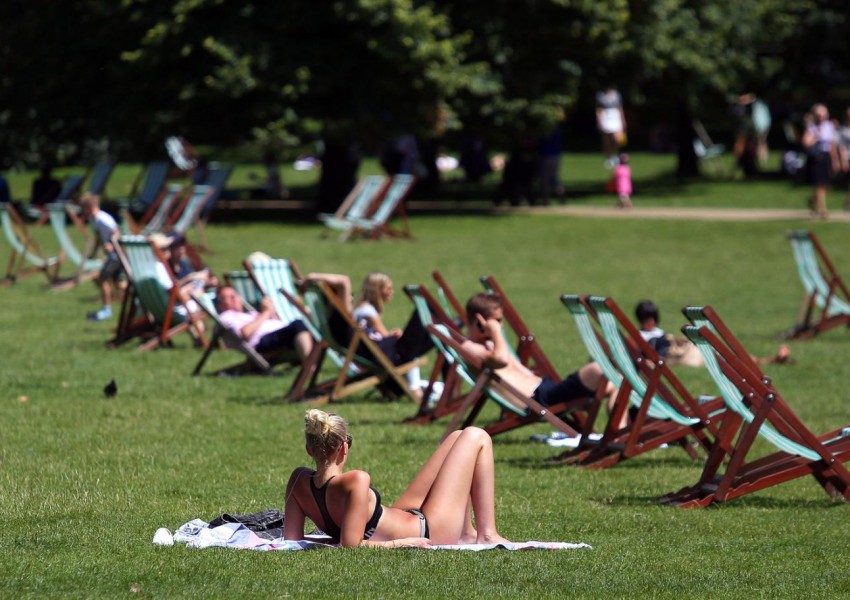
x=486, y=341
x=262, y=330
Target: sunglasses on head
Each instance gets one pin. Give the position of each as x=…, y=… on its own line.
x=349, y=440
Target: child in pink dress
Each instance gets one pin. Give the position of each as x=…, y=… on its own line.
x=623, y=181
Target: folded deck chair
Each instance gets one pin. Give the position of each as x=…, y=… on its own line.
x=156, y=217
x=826, y=298
x=516, y=409
x=152, y=186
x=664, y=411
x=87, y=266
x=757, y=410
x=377, y=223
x=357, y=373
x=254, y=361
x=363, y=196
x=27, y=256
x=149, y=310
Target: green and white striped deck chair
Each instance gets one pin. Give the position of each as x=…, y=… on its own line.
x=516, y=409
x=190, y=211
x=27, y=255
x=148, y=301
x=756, y=410
x=245, y=287
x=155, y=176
x=664, y=410
x=826, y=301
x=87, y=266
x=357, y=372
x=392, y=204
x=356, y=204
x=156, y=218
x=429, y=312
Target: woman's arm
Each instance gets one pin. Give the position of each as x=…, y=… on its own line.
x=293, y=524
x=341, y=285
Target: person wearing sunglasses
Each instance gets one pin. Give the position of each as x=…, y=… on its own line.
x=434, y=509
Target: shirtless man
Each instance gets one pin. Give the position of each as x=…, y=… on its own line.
x=486, y=342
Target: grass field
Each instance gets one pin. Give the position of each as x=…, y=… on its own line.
x=85, y=481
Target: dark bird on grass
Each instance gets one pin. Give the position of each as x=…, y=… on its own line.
x=110, y=389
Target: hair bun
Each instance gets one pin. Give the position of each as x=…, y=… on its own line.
x=316, y=422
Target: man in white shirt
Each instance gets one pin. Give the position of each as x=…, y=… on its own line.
x=106, y=229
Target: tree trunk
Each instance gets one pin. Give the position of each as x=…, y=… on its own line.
x=340, y=163
x=688, y=162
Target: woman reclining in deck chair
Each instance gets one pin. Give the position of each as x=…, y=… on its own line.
x=435, y=507
x=400, y=346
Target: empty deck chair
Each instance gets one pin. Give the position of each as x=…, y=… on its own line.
x=377, y=224
x=449, y=301
x=664, y=410
x=826, y=299
x=99, y=177
x=757, y=410
x=156, y=217
x=87, y=266
x=27, y=256
x=430, y=311
x=188, y=214
x=152, y=186
x=363, y=196
x=149, y=310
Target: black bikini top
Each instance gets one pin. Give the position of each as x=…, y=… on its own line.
x=331, y=528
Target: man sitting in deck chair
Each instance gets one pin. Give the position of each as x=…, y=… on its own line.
x=262, y=330
x=486, y=341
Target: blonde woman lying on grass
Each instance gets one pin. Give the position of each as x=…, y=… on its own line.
x=436, y=508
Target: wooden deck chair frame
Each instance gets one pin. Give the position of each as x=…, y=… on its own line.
x=157, y=215
x=516, y=409
x=758, y=410
x=87, y=267
x=430, y=311
x=826, y=298
x=319, y=300
x=362, y=199
x=254, y=361
x=377, y=223
x=665, y=411
x=448, y=299
x=528, y=350
x=147, y=310
x=25, y=249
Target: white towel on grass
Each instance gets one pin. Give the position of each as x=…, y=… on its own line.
x=198, y=534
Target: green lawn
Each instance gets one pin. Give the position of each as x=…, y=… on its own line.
x=85, y=481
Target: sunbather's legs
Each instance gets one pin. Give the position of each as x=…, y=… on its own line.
x=466, y=470
x=417, y=492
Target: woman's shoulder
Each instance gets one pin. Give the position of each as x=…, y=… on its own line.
x=355, y=479
x=365, y=309
x=301, y=472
